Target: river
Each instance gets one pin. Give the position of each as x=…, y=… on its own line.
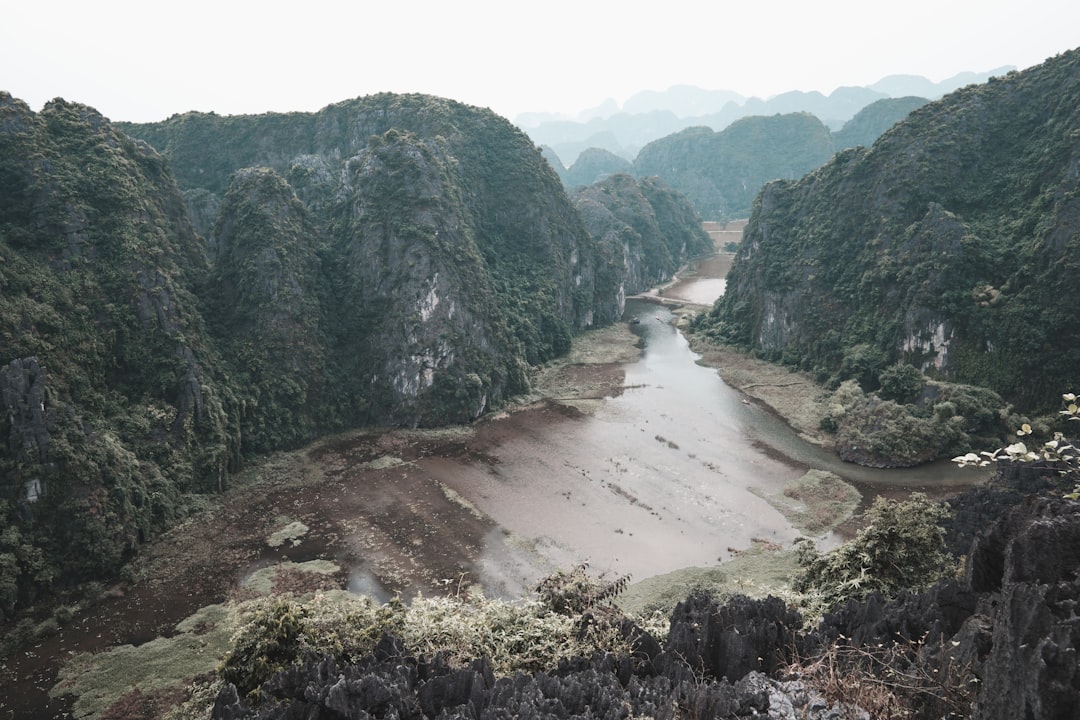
x=671, y=472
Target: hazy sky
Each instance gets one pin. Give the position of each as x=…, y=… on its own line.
x=146, y=60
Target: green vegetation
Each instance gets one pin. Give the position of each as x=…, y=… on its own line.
x=817, y=502
x=721, y=172
x=252, y=640
x=902, y=547
x=910, y=420
x=594, y=165
x=950, y=245
x=394, y=260
x=114, y=402
x=643, y=231
x=874, y=120
x=1055, y=456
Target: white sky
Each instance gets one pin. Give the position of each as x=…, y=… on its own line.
x=145, y=60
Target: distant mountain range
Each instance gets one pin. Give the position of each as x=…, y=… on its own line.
x=652, y=114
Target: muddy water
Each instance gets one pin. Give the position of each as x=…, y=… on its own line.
x=670, y=473
x=705, y=283
x=772, y=435
x=660, y=477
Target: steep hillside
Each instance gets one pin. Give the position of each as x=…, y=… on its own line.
x=114, y=400
x=642, y=228
x=446, y=235
x=697, y=160
x=395, y=260
x=872, y=121
x=721, y=172
x=651, y=115
x=594, y=164
x=952, y=244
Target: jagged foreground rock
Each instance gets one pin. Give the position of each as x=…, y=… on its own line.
x=1012, y=623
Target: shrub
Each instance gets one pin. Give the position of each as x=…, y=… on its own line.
x=901, y=548
x=901, y=383
x=1057, y=455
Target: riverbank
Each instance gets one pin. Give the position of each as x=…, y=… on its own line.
x=401, y=512
x=794, y=396
x=397, y=512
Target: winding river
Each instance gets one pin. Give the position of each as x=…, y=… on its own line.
x=674, y=471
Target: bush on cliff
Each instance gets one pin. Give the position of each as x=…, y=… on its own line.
x=901, y=548
x=571, y=618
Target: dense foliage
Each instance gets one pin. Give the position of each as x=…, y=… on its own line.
x=392, y=259
x=902, y=547
x=872, y=121
x=721, y=172
x=951, y=244
x=573, y=616
x=595, y=164
x=113, y=401
x=642, y=229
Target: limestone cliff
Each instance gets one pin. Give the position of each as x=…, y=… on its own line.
x=113, y=401
x=951, y=244
x=643, y=230
x=389, y=260
x=447, y=233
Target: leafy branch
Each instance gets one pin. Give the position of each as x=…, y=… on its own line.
x=1059, y=454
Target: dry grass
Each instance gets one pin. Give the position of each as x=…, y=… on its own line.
x=898, y=681
x=759, y=571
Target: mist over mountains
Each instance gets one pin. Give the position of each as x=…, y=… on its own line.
x=651, y=114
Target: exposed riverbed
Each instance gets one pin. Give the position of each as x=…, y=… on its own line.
x=642, y=466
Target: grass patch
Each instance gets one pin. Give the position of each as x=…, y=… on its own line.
x=757, y=572
x=154, y=668
x=817, y=502
x=291, y=577
x=291, y=533
x=384, y=462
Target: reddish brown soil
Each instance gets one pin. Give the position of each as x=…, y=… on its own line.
x=399, y=526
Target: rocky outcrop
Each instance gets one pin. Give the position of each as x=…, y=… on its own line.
x=422, y=335
x=391, y=683
x=642, y=231
x=1000, y=642
x=23, y=392
x=948, y=245
x=1013, y=620
x=265, y=299
x=733, y=639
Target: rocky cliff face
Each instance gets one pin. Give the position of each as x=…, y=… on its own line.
x=113, y=402
x=949, y=244
x=643, y=230
x=264, y=302
x=392, y=260
x=437, y=218
x=422, y=336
